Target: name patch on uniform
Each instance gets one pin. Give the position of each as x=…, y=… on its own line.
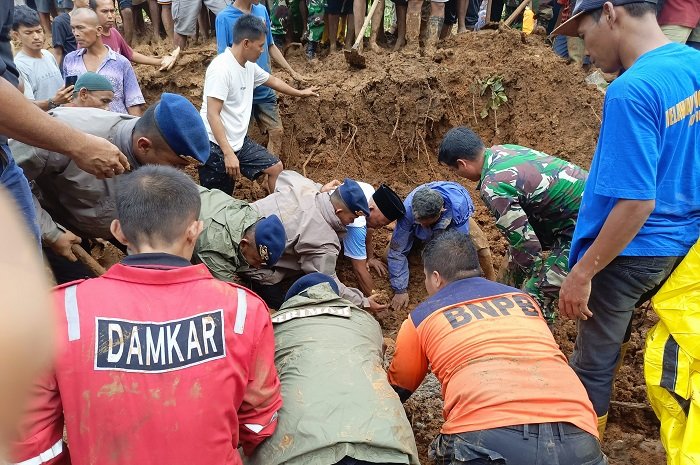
x=156, y=347
x=491, y=308
x=313, y=311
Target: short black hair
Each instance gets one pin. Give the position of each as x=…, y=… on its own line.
x=156, y=203
x=337, y=200
x=24, y=17
x=635, y=10
x=147, y=126
x=248, y=27
x=453, y=255
x=459, y=143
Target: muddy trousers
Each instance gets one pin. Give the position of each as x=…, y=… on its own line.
x=538, y=444
x=616, y=291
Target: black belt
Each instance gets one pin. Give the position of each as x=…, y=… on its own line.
x=557, y=428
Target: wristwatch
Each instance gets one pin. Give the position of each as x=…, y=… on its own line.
x=53, y=105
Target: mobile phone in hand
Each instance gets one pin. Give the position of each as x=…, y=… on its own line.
x=71, y=80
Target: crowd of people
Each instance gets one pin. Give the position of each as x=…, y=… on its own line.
x=225, y=334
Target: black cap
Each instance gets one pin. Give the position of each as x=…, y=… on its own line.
x=389, y=203
x=570, y=26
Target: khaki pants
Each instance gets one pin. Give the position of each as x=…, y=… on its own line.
x=682, y=34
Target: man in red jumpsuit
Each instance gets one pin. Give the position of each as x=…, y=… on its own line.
x=158, y=362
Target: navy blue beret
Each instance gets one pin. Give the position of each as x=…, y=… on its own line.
x=270, y=239
x=309, y=280
x=353, y=196
x=182, y=127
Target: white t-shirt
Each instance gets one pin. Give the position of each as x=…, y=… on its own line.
x=233, y=84
x=42, y=77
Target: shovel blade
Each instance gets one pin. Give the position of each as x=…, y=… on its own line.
x=355, y=59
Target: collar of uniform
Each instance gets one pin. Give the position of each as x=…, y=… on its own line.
x=123, y=139
x=488, y=160
x=323, y=200
x=155, y=260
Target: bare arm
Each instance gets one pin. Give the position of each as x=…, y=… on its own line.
x=623, y=223
x=277, y=55
x=27, y=123
x=364, y=279
x=136, y=110
x=142, y=59
x=280, y=86
x=214, y=107
x=57, y=54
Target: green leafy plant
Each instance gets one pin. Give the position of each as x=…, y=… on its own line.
x=498, y=94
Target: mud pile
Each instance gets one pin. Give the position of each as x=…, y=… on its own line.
x=384, y=124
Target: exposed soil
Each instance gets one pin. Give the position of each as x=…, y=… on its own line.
x=384, y=123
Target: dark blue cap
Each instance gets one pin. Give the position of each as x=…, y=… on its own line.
x=182, y=127
x=309, y=280
x=270, y=239
x=353, y=196
x=570, y=26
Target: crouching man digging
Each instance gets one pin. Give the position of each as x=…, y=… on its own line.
x=338, y=406
x=510, y=396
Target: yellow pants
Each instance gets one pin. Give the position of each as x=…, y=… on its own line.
x=672, y=362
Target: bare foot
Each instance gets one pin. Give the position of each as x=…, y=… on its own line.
x=399, y=44
x=375, y=48
x=333, y=48
x=461, y=30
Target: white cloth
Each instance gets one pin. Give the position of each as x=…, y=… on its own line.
x=228, y=81
x=42, y=77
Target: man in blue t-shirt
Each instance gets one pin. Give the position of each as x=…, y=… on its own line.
x=640, y=212
x=265, y=108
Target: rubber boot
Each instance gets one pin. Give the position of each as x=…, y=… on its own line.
x=311, y=47
x=602, y=423
x=434, y=27
x=413, y=30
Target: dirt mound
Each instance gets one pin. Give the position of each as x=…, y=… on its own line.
x=384, y=124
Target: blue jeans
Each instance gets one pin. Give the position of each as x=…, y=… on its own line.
x=13, y=179
x=538, y=444
x=616, y=291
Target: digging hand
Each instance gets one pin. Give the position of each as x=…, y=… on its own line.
x=573, y=296
x=100, y=157
x=400, y=301
x=331, y=186
x=374, y=306
x=378, y=266
x=309, y=92
x=63, y=245
x=233, y=166
x=299, y=77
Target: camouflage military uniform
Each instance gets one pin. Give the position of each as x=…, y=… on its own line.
x=535, y=199
x=315, y=23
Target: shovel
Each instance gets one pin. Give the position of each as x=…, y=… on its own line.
x=87, y=260
x=353, y=56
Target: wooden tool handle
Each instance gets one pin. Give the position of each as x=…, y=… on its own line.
x=87, y=260
x=361, y=34
x=517, y=12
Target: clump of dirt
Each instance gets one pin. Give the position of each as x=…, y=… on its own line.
x=385, y=123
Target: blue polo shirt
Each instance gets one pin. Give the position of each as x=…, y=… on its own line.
x=648, y=148
x=458, y=208
x=224, y=38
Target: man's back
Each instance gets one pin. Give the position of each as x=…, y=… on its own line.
x=494, y=355
x=547, y=188
x=78, y=200
x=156, y=366
x=337, y=400
x=648, y=150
